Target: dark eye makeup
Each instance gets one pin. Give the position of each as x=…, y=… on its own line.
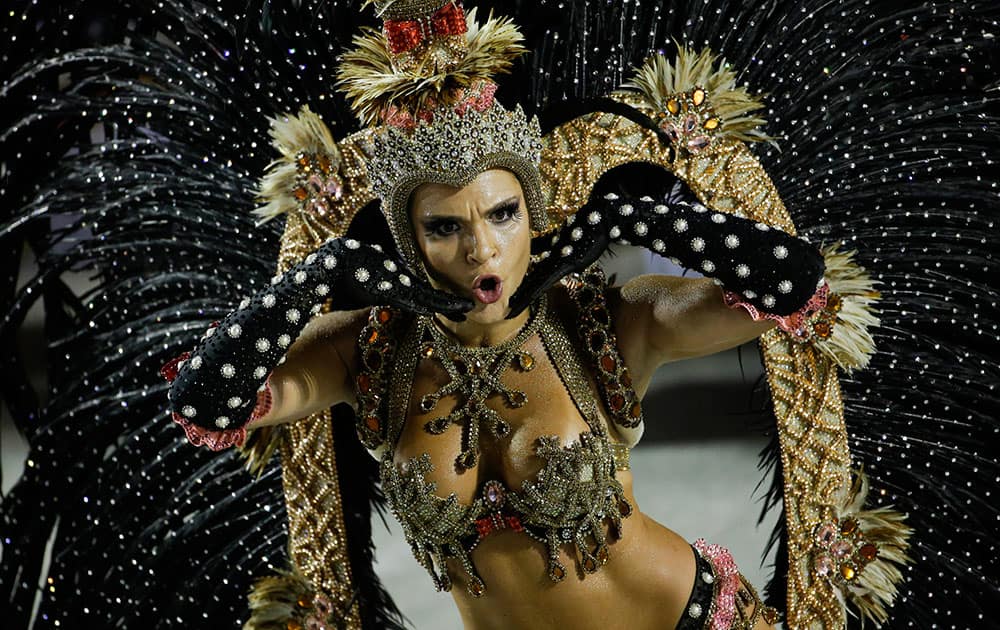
x=440, y=227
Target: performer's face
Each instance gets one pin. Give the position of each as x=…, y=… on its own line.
x=475, y=241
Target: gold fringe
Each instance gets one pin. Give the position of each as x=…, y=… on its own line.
x=274, y=601
x=372, y=83
x=658, y=80
x=877, y=584
x=292, y=135
x=850, y=345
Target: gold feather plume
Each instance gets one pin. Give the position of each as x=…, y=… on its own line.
x=850, y=344
x=292, y=135
x=372, y=82
x=875, y=588
x=278, y=602
x=657, y=80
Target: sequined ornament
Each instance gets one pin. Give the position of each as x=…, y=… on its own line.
x=474, y=377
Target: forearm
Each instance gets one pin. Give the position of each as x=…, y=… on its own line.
x=682, y=318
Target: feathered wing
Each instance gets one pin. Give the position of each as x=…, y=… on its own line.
x=134, y=164
x=886, y=120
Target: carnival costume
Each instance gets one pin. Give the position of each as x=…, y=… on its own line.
x=658, y=159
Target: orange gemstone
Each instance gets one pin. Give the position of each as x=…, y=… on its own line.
x=636, y=410
x=293, y=625
x=848, y=571
x=608, y=363
x=849, y=526
x=373, y=424
x=625, y=379
x=602, y=555
x=625, y=508
x=304, y=603
x=617, y=402
x=373, y=336
x=300, y=193
x=673, y=106
x=698, y=97
x=384, y=315
x=324, y=162
x=557, y=573
x=590, y=565
x=303, y=160
x=477, y=588
x=868, y=552
x=364, y=383
x=526, y=361
x=822, y=329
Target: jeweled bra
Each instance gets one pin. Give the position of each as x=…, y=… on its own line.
x=570, y=500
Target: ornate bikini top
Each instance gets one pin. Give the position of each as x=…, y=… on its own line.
x=575, y=494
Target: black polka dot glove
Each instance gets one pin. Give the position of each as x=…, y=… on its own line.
x=216, y=386
x=772, y=270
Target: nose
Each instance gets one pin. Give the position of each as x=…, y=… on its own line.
x=480, y=246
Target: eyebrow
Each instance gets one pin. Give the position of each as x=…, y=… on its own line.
x=510, y=201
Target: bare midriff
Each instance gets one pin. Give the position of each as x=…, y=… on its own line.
x=644, y=585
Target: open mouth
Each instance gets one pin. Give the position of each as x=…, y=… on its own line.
x=487, y=288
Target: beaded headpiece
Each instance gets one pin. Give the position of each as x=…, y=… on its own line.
x=425, y=82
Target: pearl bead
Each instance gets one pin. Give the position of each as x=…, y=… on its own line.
x=263, y=345
x=351, y=244
x=260, y=372
x=698, y=244
x=641, y=228
x=576, y=234
x=188, y=411
x=785, y=286
x=680, y=225
x=389, y=266
x=268, y=300
x=195, y=363
x=284, y=340
x=384, y=285
x=780, y=252
x=228, y=371
x=293, y=315
x=615, y=232
x=732, y=241
x=742, y=271
x=594, y=218
x=222, y=422
x=404, y=280
x=234, y=331
x=329, y=262
x=322, y=289
x=361, y=274
x=708, y=266
x=299, y=277
x=626, y=210
x=234, y=402
x=718, y=218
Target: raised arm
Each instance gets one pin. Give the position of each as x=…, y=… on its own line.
x=668, y=318
x=226, y=382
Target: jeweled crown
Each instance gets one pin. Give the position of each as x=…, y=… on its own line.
x=425, y=80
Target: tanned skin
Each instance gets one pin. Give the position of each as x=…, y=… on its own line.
x=483, y=230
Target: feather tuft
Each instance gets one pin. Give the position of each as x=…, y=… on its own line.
x=372, y=83
x=657, y=80
x=292, y=135
x=877, y=585
x=275, y=601
x=850, y=344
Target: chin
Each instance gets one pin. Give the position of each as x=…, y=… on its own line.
x=489, y=313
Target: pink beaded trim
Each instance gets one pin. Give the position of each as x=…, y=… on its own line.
x=794, y=323
x=479, y=97
x=222, y=439
x=727, y=577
